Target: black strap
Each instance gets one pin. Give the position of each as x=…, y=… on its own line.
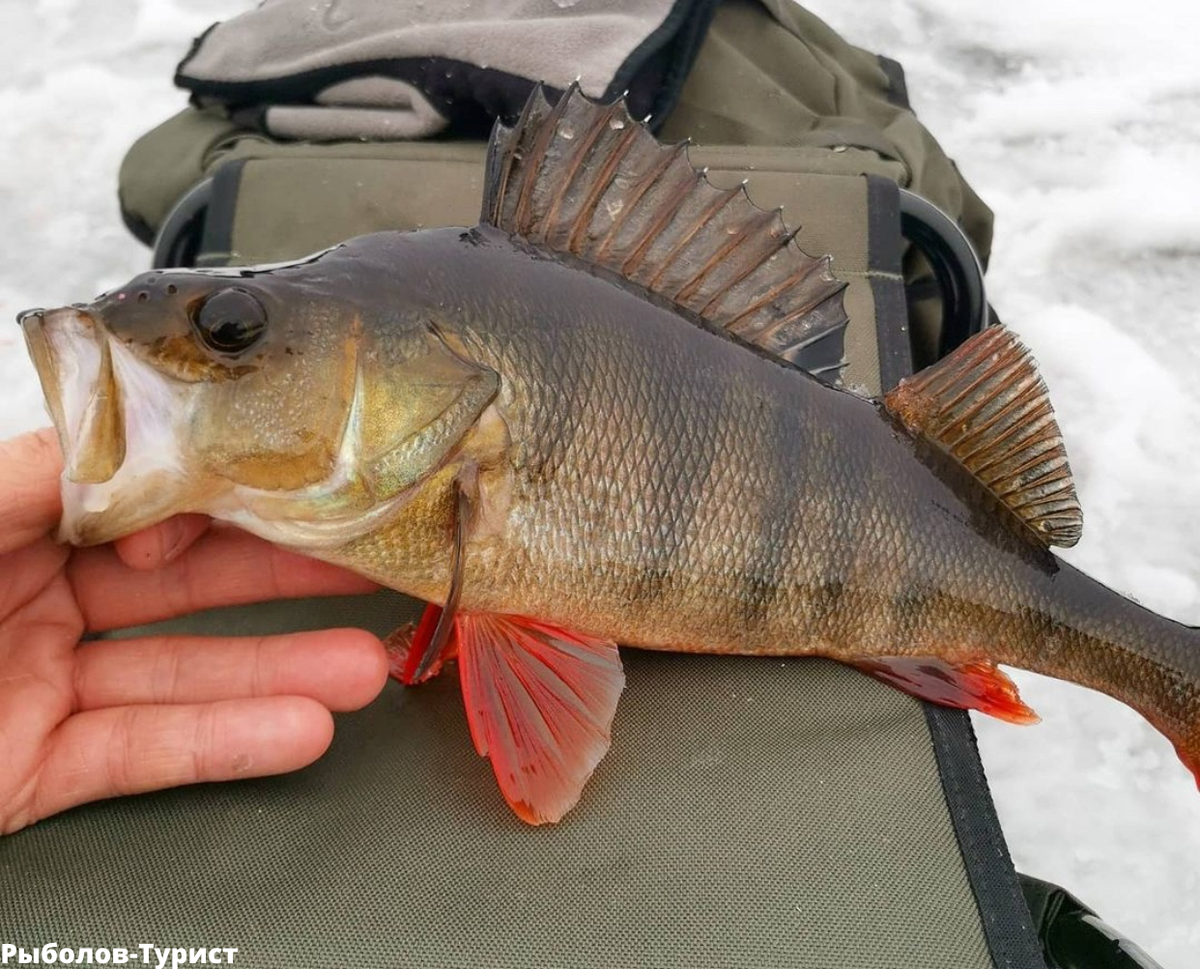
x=1007, y=924
x=1004, y=916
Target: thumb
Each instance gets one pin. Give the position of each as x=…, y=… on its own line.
x=154, y=547
x=30, y=503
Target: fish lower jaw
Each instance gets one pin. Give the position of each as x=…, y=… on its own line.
x=118, y=421
x=72, y=360
x=133, y=499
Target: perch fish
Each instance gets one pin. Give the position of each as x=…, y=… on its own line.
x=608, y=413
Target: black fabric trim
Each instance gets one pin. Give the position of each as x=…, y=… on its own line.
x=468, y=96
x=216, y=246
x=884, y=253
x=897, y=84
x=1004, y=915
x=661, y=63
x=177, y=243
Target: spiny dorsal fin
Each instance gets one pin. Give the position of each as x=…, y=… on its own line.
x=987, y=407
x=584, y=178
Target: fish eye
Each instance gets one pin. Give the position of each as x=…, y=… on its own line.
x=230, y=321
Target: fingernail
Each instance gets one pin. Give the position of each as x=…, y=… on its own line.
x=173, y=534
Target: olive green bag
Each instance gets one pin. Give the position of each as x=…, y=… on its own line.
x=774, y=96
x=751, y=812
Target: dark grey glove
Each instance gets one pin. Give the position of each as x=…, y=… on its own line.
x=399, y=69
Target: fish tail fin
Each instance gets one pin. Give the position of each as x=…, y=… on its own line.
x=1190, y=755
x=1187, y=742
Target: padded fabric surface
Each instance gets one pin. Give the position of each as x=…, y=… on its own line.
x=812, y=834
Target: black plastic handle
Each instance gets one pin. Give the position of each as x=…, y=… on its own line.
x=955, y=265
x=178, y=241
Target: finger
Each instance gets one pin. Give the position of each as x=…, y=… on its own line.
x=30, y=504
x=342, y=669
x=30, y=585
x=226, y=567
x=129, y=750
x=154, y=547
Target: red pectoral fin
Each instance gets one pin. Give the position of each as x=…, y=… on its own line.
x=540, y=701
x=979, y=685
x=408, y=645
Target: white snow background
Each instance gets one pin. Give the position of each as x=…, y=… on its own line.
x=1077, y=121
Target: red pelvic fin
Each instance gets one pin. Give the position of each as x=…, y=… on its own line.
x=979, y=685
x=408, y=645
x=398, y=645
x=540, y=701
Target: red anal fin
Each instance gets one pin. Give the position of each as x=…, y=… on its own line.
x=409, y=645
x=540, y=701
x=979, y=685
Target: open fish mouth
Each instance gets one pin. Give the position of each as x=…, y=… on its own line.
x=114, y=417
x=73, y=358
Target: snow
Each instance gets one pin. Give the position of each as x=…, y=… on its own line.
x=1077, y=121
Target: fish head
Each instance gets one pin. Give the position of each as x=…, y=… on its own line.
x=248, y=395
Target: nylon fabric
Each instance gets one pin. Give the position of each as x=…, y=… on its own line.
x=397, y=850
x=781, y=76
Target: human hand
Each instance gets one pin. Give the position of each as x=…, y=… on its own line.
x=84, y=721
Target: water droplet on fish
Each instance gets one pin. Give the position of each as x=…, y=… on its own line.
x=566, y=132
x=613, y=207
x=616, y=124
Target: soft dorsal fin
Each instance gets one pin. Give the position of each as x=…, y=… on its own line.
x=987, y=407
x=584, y=178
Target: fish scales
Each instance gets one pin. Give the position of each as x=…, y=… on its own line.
x=645, y=448
x=677, y=492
